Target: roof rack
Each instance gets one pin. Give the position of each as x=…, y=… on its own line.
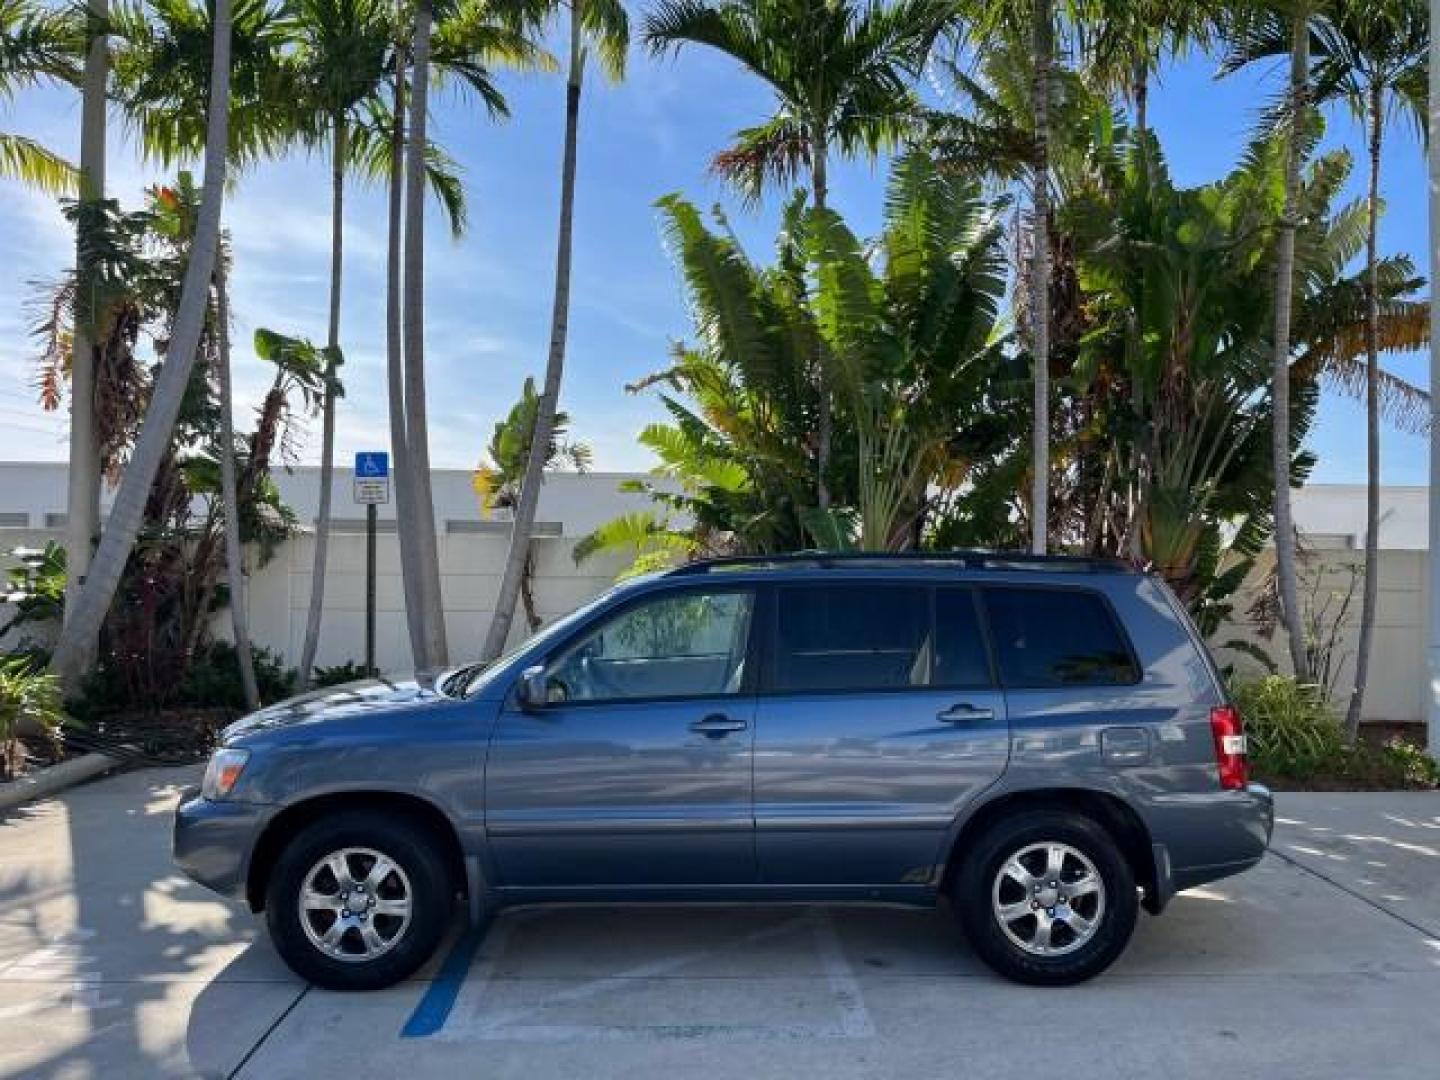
x=970, y=559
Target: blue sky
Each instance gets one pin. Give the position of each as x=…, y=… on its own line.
x=489, y=293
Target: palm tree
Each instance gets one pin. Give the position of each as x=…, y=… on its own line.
x=1299, y=18
x=342, y=46
x=435, y=652
x=162, y=73
x=605, y=26
x=499, y=480
x=229, y=491
x=1043, y=31
x=36, y=45
x=78, y=634
x=1373, y=56
x=82, y=502
x=460, y=47
x=841, y=74
x=1126, y=41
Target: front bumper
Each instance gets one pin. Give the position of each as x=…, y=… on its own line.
x=212, y=841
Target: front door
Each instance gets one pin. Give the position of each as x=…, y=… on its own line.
x=878, y=721
x=638, y=770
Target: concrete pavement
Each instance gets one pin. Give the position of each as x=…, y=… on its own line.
x=1322, y=962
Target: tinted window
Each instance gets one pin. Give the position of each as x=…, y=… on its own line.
x=1055, y=637
x=852, y=638
x=685, y=645
x=959, y=648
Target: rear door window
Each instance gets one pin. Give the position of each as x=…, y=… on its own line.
x=1057, y=637
x=960, y=658
x=851, y=637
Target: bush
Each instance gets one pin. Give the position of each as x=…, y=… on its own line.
x=1291, y=728
x=340, y=674
x=211, y=681
x=28, y=694
x=214, y=678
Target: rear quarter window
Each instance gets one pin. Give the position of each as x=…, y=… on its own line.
x=1056, y=638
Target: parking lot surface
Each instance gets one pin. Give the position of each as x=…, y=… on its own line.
x=1322, y=962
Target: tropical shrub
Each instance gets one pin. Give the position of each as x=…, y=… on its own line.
x=35, y=586
x=1291, y=727
x=29, y=695
x=211, y=681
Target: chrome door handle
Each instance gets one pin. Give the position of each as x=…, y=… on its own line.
x=964, y=713
x=717, y=724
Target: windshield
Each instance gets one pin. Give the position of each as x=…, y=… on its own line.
x=473, y=677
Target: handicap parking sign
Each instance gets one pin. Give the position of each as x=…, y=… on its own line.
x=372, y=477
x=372, y=464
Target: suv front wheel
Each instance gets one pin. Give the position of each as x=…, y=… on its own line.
x=358, y=900
x=1046, y=898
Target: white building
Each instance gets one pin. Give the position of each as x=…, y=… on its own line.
x=472, y=550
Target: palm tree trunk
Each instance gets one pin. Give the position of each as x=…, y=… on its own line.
x=1372, y=419
x=427, y=567
x=76, y=644
x=234, y=554
x=395, y=379
x=1044, y=34
x=327, y=437
x=1280, y=365
x=518, y=557
x=82, y=502
x=825, y=419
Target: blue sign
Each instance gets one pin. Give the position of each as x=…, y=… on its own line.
x=372, y=465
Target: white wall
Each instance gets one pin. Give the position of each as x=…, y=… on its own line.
x=472, y=551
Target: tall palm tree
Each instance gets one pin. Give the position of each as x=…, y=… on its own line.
x=1299, y=18
x=1125, y=42
x=162, y=76
x=841, y=73
x=603, y=25
x=36, y=45
x=78, y=634
x=1043, y=31
x=1372, y=55
x=417, y=434
x=229, y=489
x=1037, y=19
x=342, y=47
x=82, y=500
x=460, y=48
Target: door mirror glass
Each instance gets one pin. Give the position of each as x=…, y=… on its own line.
x=532, y=690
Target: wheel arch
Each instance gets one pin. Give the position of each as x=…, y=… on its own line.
x=296, y=816
x=1105, y=809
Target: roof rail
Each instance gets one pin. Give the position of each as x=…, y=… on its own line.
x=970, y=559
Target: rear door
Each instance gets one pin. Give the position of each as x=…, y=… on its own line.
x=637, y=772
x=878, y=720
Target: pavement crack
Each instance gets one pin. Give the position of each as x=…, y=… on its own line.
x=1419, y=928
x=240, y=1067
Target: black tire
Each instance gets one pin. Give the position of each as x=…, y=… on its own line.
x=973, y=887
x=412, y=848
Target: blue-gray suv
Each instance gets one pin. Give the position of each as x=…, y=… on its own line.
x=1044, y=742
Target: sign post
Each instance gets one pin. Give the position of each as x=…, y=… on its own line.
x=372, y=487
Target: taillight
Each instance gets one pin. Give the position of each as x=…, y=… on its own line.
x=1230, y=746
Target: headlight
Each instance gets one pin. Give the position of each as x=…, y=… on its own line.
x=223, y=772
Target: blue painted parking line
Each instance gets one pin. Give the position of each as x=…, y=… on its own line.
x=434, y=1008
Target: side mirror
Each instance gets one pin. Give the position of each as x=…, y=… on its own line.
x=533, y=690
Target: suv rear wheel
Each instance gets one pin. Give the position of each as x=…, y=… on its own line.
x=358, y=900
x=1046, y=898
